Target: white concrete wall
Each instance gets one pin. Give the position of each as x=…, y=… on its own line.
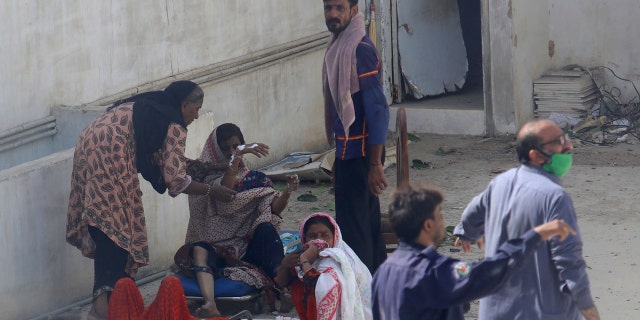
x=588, y=33
x=514, y=53
x=33, y=248
x=41, y=272
x=69, y=52
x=598, y=33
x=531, y=54
x=280, y=105
x=580, y=30
x=277, y=105
x=498, y=65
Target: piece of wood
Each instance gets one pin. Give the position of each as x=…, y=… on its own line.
x=402, y=151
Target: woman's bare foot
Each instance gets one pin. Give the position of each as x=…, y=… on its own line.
x=208, y=310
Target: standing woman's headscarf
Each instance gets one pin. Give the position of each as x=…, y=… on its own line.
x=152, y=114
x=340, y=271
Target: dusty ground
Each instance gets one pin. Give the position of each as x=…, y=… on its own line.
x=603, y=183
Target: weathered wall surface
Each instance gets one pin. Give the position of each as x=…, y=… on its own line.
x=77, y=53
x=530, y=42
x=598, y=33
x=525, y=38
x=41, y=271
x=498, y=65
x=71, y=52
x=74, y=52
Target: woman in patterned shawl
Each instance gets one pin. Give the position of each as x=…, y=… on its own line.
x=238, y=239
x=327, y=279
x=144, y=134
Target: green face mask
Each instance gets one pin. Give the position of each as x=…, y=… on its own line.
x=559, y=164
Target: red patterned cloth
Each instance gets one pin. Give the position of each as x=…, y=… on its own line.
x=329, y=304
x=303, y=294
x=170, y=303
x=126, y=301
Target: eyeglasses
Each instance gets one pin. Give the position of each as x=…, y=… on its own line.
x=561, y=140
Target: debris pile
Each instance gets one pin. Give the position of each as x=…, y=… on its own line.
x=569, y=92
x=582, y=101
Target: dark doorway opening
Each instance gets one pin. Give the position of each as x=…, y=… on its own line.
x=470, y=21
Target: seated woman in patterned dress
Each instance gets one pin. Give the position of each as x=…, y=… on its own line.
x=237, y=239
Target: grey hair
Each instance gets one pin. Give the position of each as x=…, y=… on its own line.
x=195, y=96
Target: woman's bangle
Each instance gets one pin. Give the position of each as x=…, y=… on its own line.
x=208, y=190
x=375, y=164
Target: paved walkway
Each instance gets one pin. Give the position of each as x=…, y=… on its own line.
x=149, y=290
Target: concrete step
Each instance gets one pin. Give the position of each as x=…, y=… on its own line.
x=440, y=121
x=457, y=113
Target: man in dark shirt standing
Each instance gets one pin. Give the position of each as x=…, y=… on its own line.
x=356, y=120
x=416, y=282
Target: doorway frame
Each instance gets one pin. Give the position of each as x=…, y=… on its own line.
x=389, y=23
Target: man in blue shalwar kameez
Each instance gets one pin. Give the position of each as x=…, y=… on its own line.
x=356, y=121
